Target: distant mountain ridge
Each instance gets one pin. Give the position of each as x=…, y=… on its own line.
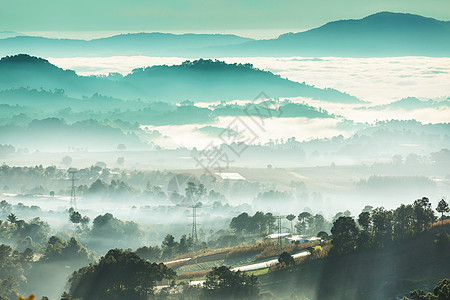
x=9, y=34
x=200, y=80
x=152, y=44
x=380, y=34
x=409, y=103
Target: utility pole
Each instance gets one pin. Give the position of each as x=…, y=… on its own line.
x=73, y=198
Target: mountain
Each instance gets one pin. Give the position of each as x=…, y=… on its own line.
x=150, y=44
x=200, y=80
x=410, y=103
x=381, y=34
x=9, y=34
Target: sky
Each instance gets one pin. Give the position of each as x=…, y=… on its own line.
x=254, y=18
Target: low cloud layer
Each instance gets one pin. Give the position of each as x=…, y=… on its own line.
x=378, y=80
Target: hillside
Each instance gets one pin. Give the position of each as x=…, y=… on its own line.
x=387, y=273
x=200, y=80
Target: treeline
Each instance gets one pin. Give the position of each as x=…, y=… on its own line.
x=169, y=248
x=260, y=223
x=380, y=227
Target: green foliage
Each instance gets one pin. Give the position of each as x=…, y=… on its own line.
x=222, y=283
x=345, y=234
x=380, y=227
x=121, y=233
x=118, y=275
x=423, y=214
x=286, y=259
x=440, y=292
x=75, y=217
x=149, y=253
x=311, y=224
x=59, y=250
x=442, y=208
x=259, y=223
x=11, y=271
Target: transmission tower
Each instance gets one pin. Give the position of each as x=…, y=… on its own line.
x=279, y=232
x=194, y=226
x=73, y=198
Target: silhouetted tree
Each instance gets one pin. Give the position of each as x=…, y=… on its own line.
x=423, y=214
x=382, y=226
x=345, y=234
x=222, y=283
x=442, y=208
x=286, y=258
x=118, y=275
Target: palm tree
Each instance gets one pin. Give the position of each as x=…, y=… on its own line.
x=12, y=218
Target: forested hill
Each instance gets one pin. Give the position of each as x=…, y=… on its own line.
x=200, y=80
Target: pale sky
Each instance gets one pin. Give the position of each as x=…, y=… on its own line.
x=256, y=18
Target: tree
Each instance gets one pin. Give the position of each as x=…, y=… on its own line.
x=149, y=253
x=194, y=193
x=364, y=220
x=323, y=235
x=423, y=214
x=98, y=187
x=75, y=217
x=316, y=223
x=240, y=223
x=11, y=272
x=442, y=289
x=118, y=275
x=404, y=222
x=422, y=295
x=66, y=161
x=120, y=160
x=442, y=208
x=382, y=226
x=59, y=250
x=108, y=231
x=345, y=234
x=185, y=244
x=286, y=258
x=169, y=246
x=302, y=218
x=367, y=208
x=12, y=218
x=222, y=283
x=291, y=218
x=346, y=213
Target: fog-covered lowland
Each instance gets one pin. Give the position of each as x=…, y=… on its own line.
x=315, y=165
